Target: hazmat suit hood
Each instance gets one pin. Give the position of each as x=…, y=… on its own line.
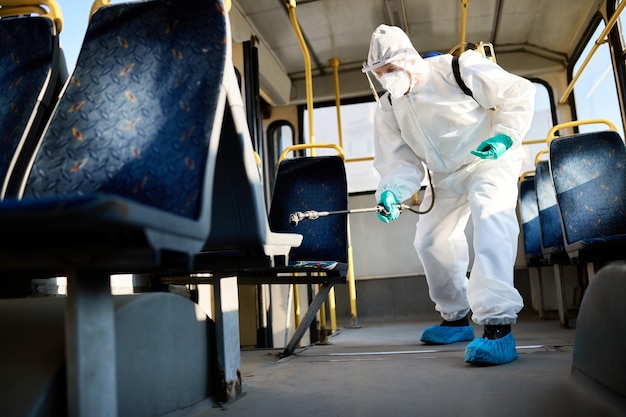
x=389, y=44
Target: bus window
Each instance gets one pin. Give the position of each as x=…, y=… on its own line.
x=595, y=93
x=357, y=126
x=280, y=135
x=542, y=122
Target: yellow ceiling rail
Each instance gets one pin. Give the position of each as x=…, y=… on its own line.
x=51, y=9
x=307, y=69
x=603, y=38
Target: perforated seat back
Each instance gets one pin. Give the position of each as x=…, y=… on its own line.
x=549, y=216
x=529, y=216
x=136, y=118
x=589, y=172
x=29, y=64
x=312, y=183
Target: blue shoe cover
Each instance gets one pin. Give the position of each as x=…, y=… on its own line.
x=483, y=351
x=442, y=335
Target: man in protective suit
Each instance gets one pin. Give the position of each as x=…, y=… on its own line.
x=472, y=147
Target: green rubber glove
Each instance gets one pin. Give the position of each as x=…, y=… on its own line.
x=494, y=147
x=388, y=202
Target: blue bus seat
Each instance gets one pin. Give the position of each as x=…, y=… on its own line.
x=122, y=180
x=552, y=244
x=32, y=73
x=531, y=238
x=309, y=183
x=132, y=141
x=313, y=183
x=529, y=216
x=257, y=249
x=589, y=173
x=240, y=235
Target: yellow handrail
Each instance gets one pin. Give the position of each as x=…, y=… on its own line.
x=307, y=68
x=22, y=10
x=98, y=4
x=526, y=174
x=574, y=123
x=362, y=159
x=601, y=39
x=539, y=154
x=311, y=146
x=533, y=141
x=566, y=125
x=52, y=10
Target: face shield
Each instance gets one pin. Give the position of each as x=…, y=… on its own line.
x=400, y=61
x=369, y=76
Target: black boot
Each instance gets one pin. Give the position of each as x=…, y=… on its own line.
x=461, y=322
x=498, y=331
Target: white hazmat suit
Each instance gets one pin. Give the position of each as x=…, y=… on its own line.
x=436, y=125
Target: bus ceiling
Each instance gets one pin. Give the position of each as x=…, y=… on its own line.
x=527, y=36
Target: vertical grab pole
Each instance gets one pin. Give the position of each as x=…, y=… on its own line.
x=296, y=307
x=291, y=6
x=334, y=62
x=307, y=70
x=323, y=332
x=352, y=284
x=464, y=5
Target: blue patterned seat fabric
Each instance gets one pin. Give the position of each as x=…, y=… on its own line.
x=26, y=57
x=529, y=215
x=312, y=183
x=589, y=172
x=549, y=216
x=136, y=118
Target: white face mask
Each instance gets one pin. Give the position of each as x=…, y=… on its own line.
x=397, y=83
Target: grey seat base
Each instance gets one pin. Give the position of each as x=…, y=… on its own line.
x=600, y=340
x=164, y=344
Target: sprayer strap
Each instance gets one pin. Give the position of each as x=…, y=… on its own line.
x=457, y=76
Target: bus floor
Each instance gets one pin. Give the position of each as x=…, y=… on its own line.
x=382, y=369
